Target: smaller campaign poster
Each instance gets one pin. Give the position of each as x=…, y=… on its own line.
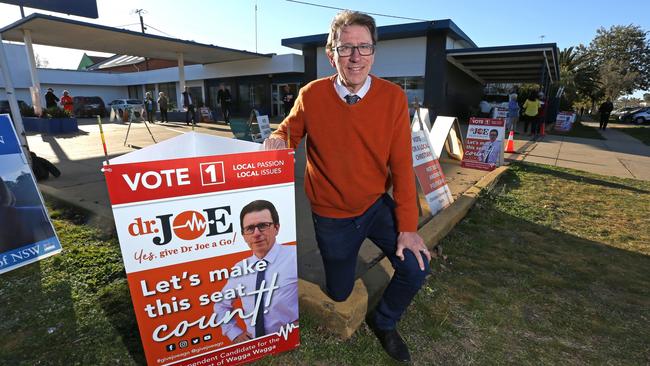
x=429, y=173
x=500, y=112
x=426, y=165
x=484, y=143
x=209, y=248
x=26, y=232
x=564, y=121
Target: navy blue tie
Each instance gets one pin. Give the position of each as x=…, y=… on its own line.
x=259, y=319
x=352, y=99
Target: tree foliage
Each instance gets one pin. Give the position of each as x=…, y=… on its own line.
x=622, y=55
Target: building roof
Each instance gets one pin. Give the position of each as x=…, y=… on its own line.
x=508, y=64
x=61, y=32
x=388, y=32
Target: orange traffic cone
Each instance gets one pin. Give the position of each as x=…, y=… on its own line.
x=510, y=145
x=541, y=129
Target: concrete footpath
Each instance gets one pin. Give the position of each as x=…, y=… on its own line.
x=79, y=157
x=618, y=154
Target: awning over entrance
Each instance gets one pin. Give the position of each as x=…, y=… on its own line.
x=536, y=63
x=60, y=32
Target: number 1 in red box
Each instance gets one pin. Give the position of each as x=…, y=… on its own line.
x=212, y=173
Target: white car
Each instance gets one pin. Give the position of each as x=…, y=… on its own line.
x=120, y=105
x=640, y=116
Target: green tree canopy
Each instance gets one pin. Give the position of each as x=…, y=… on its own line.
x=622, y=55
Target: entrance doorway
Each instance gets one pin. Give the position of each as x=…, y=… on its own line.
x=277, y=92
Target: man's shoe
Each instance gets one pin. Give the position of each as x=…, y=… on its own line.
x=391, y=341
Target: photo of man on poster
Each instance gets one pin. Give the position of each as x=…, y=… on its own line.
x=260, y=225
x=490, y=152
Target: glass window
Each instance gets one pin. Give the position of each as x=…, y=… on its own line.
x=413, y=86
x=135, y=92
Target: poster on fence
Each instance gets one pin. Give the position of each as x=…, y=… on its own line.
x=208, y=237
x=484, y=143
x=564, y=121
x=427, y=167
x=26, y=233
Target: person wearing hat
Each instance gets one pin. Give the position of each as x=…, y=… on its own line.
x=66, y=101
x=50, y=98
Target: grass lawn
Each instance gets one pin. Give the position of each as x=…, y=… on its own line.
x=641, y=133
x=578, y=130
x=552, y=267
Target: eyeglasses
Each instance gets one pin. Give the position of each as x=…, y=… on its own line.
x=262, y=227
x=346, y=51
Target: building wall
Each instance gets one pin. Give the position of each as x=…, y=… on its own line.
x=109, y=85
x=393, y=58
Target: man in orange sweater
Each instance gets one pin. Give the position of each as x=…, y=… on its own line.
x=358, y=145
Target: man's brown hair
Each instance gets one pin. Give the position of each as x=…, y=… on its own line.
x=348, y=17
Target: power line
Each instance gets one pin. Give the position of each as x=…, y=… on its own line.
x=154, y=28
x=335, y=8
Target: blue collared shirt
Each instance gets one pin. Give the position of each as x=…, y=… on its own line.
x=281, y=259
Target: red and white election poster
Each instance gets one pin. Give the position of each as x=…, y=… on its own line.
x=207, y=230
x=484, y=143
x=427, y=167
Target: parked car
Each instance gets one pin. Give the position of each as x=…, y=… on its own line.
x=88, y=106
x=640, y=116
x=629, y=116
x=121, y=104
x=622, y=111
x=4, y=106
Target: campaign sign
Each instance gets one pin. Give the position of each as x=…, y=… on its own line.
x=429, y=173
x=26, y=233
x=484, y=144
x=564, y=121
x=209, y=248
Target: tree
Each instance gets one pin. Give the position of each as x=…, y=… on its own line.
x=41, y=62
x=646, y=98
x=622, y=55
x=579, y=76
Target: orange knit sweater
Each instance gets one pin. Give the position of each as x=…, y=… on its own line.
x=355, y=151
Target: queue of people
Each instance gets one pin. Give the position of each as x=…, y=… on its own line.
x=52, y=101
x=532, y=112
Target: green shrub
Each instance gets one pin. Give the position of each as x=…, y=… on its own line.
x=56, y=112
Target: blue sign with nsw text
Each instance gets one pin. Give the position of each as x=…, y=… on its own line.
x=26, y=233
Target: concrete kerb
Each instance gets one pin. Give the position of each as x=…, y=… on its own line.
x=344, y=318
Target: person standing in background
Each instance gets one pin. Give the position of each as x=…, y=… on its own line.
x=50, y=98
x=149, y=106
x=531, y=108
x=513, y=112
x=66, y=101
x=162, y=104
x=188, y=105
x=288, y=98
x=605, y=110
x=224, y=98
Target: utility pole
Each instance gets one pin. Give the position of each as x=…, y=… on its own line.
x=255, y=26
x=140, y=12
x=542, y=38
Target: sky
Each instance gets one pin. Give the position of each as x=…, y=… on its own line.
x=232, y=24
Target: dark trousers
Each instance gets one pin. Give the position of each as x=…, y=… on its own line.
x=604, y=119
x=532, y=121
x=150, y=115
x=190, y=113
x=225, y=109
x=163, y=115
x=339, y=241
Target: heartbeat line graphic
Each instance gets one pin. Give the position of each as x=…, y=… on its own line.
x=196, y=222
x=2, y=139
x=287, y=329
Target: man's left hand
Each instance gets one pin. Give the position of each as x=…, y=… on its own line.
x=413, y=242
